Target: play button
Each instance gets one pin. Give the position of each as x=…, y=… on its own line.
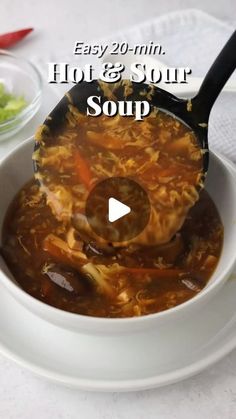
x=117, y=209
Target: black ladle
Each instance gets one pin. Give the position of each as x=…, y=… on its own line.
x=195, y=112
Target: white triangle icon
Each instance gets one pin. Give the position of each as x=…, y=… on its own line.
x=116, y=209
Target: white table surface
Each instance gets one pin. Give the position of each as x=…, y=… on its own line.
x=211, y=394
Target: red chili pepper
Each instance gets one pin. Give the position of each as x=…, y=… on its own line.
x=11, y=38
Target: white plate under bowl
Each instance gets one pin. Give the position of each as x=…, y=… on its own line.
x=68, y=358
x=144, y=360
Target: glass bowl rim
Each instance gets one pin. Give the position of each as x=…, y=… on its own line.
x=27, y=110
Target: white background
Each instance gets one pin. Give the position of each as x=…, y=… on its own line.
x=212, y=394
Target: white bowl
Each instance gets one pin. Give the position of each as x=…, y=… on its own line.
x=16, y=169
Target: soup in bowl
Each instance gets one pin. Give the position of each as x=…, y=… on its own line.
x=16, y=171
x=58, y=240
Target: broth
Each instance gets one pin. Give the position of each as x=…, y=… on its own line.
x=51, y=249
x=51, y=263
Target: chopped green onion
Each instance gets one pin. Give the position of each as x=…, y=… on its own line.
x=10, y=105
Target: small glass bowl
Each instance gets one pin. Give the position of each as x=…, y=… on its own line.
x=21, y=78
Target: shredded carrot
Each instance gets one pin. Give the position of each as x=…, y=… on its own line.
x=56, y=248
x=82, y=169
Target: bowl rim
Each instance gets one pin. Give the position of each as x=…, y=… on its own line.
x=119, y=321
x=26, y=111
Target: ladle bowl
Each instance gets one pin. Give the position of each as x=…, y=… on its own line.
x=192, y=112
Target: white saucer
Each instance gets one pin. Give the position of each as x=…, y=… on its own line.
x=67, y=358
x=113, y=363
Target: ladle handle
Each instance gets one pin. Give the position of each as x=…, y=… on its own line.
x=214, y=81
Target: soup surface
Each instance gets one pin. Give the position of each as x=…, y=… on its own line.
x=52, y=263
x=160, y=153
